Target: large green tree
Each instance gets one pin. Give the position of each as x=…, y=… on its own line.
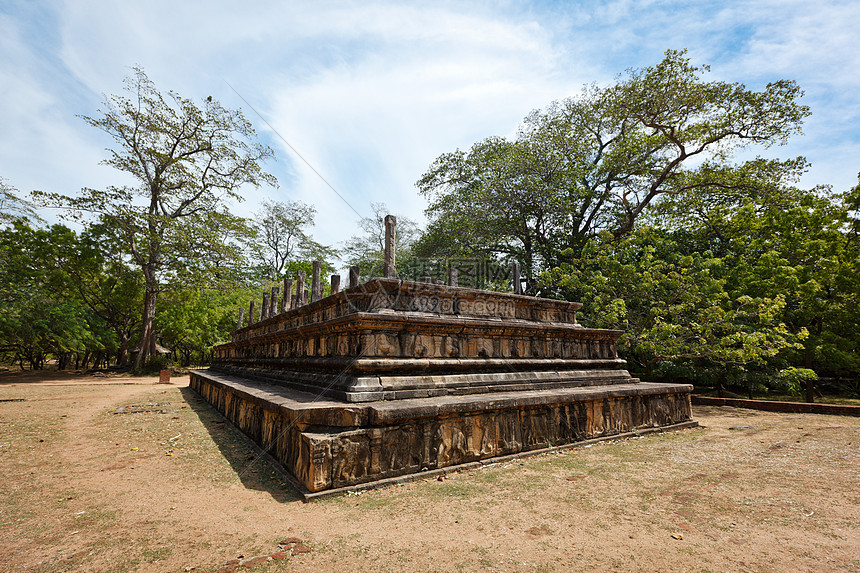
x=187, y=160
x=597, y=161
x=281, y=236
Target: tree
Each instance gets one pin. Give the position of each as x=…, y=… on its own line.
x=42, y=315
x=13, y=207
x=368, y=250
x=192, y=320
x=281, y=236
x=111, y=289
x=596, y=162
x=782, y=241
x=188, y=161
x=675, y=307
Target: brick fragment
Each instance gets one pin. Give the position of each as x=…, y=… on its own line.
x=301, y=548
x=254, y=561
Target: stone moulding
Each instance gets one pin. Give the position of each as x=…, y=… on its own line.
x=393, y=378
x=327, y=444
x=391, y=339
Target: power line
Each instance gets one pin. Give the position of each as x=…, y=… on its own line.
x=294, y=149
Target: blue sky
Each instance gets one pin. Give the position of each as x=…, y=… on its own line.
x=370, y=93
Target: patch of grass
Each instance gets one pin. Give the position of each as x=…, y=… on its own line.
x=452, y=489
x=374, y=502
x=489, y=475
x=97, y=516
x=156, y=554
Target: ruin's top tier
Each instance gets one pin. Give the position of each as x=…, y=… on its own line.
x=385, y=296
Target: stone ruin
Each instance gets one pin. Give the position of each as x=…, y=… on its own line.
x=392, y=377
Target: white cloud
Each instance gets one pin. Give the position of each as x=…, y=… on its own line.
x=371, y=93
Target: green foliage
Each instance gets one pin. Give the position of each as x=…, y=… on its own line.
x=673, y=306
x=728, y=288
x=793, y=380
x=42, y=314
x=193, y=320
x=596, y=162
x=789, y=243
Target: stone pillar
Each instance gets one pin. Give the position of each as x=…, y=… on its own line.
x=307, y=296
x=274, y=302
x=264, y=308
x=452, y=277
x=518, y=285
x=389, y=271
x=251, y=314
x=288, y=295
x=300, y=288
x=354, y=276
x=316, y=283
x=335, y=284
x=241, y=318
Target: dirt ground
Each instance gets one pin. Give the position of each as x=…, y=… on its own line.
x=122, y=474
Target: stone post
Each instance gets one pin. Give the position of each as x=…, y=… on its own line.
x=241, y=318
x=264, y=308
x=518, y=285
x=251, y=314
x=452, y=277
x=354, y=276
x=274, y=301
x=389, y=271
x=288, y=295
x=300, y=288
x=316, y=283
x=335, y=284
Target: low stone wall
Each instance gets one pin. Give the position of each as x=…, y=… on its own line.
x=328, y=444
x=774, y=406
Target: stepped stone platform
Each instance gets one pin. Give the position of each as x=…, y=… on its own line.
x=395, y=377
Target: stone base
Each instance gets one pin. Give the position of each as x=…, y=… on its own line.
x=327, y=444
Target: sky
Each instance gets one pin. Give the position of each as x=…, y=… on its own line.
x=358, y=98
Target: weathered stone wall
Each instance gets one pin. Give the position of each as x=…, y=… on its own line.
x=379, y=440
x=350, y=345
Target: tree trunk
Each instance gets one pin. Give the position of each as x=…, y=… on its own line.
x=147, y=335
x=810, y=390
x=807, y=363
x=122, y=353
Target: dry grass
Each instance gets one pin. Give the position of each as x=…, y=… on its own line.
x=85, y=489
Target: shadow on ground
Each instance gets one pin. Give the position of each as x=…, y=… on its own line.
x=253, y=470
x=727, y=411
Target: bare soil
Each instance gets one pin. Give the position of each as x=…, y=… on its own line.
x=165, y=485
